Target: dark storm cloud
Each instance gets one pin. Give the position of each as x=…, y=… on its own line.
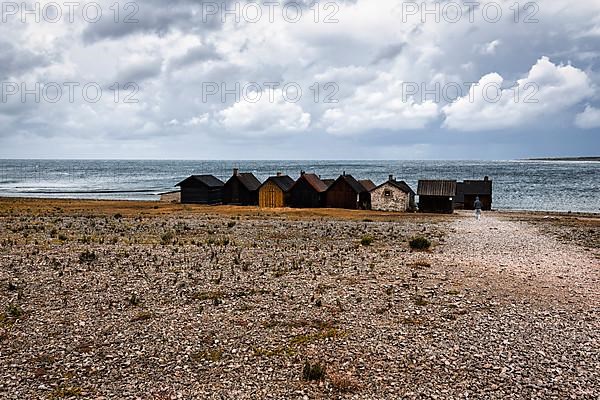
x=156, y=17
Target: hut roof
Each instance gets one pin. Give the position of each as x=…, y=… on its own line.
x=284, y=182
x=328, y=182
x=248, y=180
x=399, y=184
x=353, y=183
x=367, y=184
x=206, y=180
x=444, y=188
x=475, y=187
x=315, y=182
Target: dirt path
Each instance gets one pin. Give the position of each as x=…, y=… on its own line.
x=516, y=258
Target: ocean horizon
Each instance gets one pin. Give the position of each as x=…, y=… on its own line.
x=535, y=185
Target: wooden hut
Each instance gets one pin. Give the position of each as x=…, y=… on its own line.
x=469, y=190
x=275, y=192
x=393, y=195
x=346, y=192
x=308, y=191
x=436, y=196
x=241, y=189
x=201, y=189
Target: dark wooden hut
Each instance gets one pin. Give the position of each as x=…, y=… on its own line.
x=275, y=192
x=241, y=189
x=436, y=196
x=346, y=192
x=328, y=182
x=469, y=190
x=201, y=189
x=308, y=191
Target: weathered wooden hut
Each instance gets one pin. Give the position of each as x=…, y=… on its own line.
x=308, y=191
x=469, y=190
x=346, y=192
x=275, y=192
x=393, y=195
x=436, y=196
x=241, y=189
x=201, y=189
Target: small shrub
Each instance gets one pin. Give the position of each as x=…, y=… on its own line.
x=118, y=216
x=231, y=224
x=419, y=243
x=367, y=240
x=14, y=311
x=344, y=383
x=134, y=300
x=62, y=237
x=87, y=257
x=166, y=238
x=142, y=316
x=313, y=372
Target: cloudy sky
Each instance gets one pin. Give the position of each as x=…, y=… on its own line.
x=359, y=79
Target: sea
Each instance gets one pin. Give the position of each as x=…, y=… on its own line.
x=517, y=185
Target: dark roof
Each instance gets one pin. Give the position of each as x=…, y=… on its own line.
x=437, y=188
x=206, y=180
x=328, y=182
x=248, y=180
x=474, y=187
x=314, y=181
x=399, y=184
x=353, y=183
x=367, y=184
x=284, y=182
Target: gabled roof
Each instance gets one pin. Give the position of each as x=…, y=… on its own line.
x=367, y=184
x=475, y=187
x=353, y=183
x=313, y=181
x=205, y=180
x=443, y=188
x=328, y=182
x=399, y=184
x=248, y=180
x=284, y=182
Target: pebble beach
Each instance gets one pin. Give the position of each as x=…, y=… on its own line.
x=138, y=300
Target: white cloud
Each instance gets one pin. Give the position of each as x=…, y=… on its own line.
x=270, y=114
x=490, y=48
x=547, y=89
x=589, y=118
x=379, y=104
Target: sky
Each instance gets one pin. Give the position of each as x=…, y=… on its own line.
x=361, y=79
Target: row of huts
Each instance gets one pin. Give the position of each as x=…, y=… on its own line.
x=310, y=191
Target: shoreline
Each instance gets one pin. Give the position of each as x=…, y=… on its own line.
x=145, y=205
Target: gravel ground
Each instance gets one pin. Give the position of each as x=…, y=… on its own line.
x=208, y=306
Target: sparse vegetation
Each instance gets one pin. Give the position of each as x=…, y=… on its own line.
x=344, y=383
x=87, y=256
x=167, y=238
x=313, y=372
x=367, y=240
x=419, y=243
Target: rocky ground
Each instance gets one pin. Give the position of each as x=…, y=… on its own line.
x=139, y=301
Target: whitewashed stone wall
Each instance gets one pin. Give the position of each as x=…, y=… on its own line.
x=396, y=201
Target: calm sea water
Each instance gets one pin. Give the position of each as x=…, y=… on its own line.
x=518, y=185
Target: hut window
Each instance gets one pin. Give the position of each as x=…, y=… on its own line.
x=387, y=193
